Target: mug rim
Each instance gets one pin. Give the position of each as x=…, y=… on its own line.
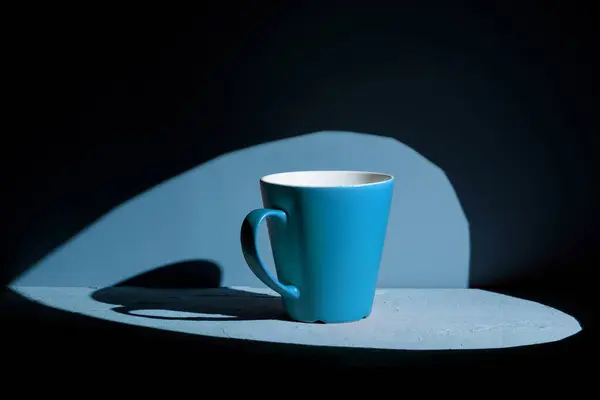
x=384, y=178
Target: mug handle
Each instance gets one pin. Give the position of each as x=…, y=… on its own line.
x=248, y=236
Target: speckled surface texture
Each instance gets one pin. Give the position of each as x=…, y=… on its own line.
x=401, y=318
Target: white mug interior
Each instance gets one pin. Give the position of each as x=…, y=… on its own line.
x=326, y=178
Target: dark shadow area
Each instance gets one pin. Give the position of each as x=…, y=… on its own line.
x=149, y=292
x=221, y=304
x=194, y=274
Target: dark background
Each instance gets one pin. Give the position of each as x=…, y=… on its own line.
x=500, y=96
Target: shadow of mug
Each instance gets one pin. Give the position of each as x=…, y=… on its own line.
x=188, y=290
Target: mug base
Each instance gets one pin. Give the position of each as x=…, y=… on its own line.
x=329, y=320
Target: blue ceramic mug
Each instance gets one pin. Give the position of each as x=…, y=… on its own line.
x=327, y=231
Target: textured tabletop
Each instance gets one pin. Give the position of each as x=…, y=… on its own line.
x=401, y=318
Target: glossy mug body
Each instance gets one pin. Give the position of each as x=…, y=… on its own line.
x=327, y=231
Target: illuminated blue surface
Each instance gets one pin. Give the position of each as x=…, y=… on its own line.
x=197, y=215
x=412, y=319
